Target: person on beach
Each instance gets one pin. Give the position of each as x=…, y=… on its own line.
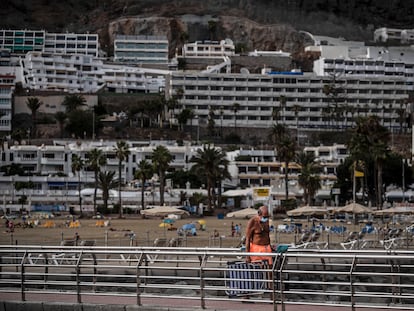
x=257, y=236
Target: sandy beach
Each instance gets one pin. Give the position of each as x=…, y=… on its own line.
x=136, y=231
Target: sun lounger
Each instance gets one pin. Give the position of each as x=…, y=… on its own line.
x=394, y=239
x=354, y=240
x=312, y=241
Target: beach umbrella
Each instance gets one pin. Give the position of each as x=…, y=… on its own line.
x=354, y=208
x=395, y=210
x=307, y=211
x=188, y=226
x=244, y=213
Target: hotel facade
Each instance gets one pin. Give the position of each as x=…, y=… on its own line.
x=23, y=41
x=296, y=99
x=77, y=73
x=141, y=49
x=48, y=169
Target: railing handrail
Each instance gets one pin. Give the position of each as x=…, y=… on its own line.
x=377, y=278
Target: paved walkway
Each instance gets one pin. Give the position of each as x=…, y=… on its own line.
x=171, y=304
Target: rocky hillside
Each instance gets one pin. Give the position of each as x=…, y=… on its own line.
x=252, y=24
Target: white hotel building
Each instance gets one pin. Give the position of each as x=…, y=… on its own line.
x=209, y=49
x=52, y=180
x=77, y=73
x=385, y=34
x=49, y=167
x=7, y=82
x=373, y=81
x=141, y=49
x=307, y=106
x=23, y=41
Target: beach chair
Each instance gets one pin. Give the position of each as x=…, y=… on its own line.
x=87, y=243
x=54, y=258
x=354, y=240
x=305, y=237
x=175, y=242
x=313, y=242
x=244, y=279
x=158, y=242
x=64, y=257
x=393, y=239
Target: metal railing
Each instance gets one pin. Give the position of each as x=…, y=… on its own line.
x=371, y=278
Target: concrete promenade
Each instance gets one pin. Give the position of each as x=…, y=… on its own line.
x=63, y=302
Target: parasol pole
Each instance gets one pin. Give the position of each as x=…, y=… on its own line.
x=354, y=184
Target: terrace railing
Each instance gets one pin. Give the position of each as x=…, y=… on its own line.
x=352, y=278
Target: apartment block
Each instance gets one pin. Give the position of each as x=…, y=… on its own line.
x=72, y=43
x=7, y=82
x=209, y=49
x=385, y=34
x=22, y=41
x=78, y=73
x=141, y=49
x=296, y=99
x=49, y=167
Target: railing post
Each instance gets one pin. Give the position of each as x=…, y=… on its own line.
x=203, y=262
x=22, y=276
x=78, y=286
x=351, y=285
x=138, y=278
x=273, y=281
x=281, y=284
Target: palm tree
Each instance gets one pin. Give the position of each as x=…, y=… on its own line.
x=122, y=152
x=369, y=142
x=96, y=159
x=221, y=111
x=308, y=178
x=106, y=181
x=296, y=109
x=285, y=148
x=402, y=114
x=77, y=166
x=222, y=173
x=161, y=159
x=236, y=107
x=33, y=103
x=283, y=101
x=171, y=105
x=61, y=117
x=73, y=102
x=211, y=123
x=211, y=163
x=143, y=173
x=159, y=107
x=275, y=113
x=277, y=132
x=184, y=116
x=286, y=152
